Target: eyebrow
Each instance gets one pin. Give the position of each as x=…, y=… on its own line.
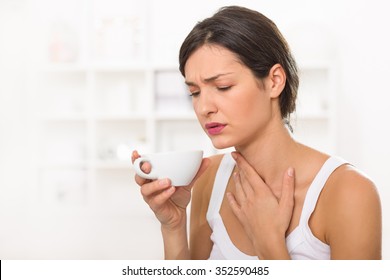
x=208, y=80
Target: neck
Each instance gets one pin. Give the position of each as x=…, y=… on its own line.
x=271, y=155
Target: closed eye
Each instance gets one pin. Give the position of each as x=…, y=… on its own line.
x=224, y=88
x=195, y=93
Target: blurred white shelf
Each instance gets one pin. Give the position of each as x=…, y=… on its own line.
x=106, y=103
x=63, y=117
x=70, y=67
x=63, y=165
x=119, y=67
x=165, y=67
x=169, y=116
x=113, y=164
x=121, y=117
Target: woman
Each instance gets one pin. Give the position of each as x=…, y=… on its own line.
x=273, y=198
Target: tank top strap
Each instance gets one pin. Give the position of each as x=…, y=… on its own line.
x=313, y=193
x=220, y=183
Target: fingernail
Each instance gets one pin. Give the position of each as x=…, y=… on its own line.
x=163, y=182
x=290, y=172
x=171, y=190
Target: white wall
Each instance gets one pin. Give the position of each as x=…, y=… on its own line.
x=360, y=29
x=364, y=131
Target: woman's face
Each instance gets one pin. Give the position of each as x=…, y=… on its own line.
x=232, y=106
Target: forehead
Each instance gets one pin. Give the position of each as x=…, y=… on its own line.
x=210, y=60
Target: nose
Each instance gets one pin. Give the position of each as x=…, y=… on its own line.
x=205, y=104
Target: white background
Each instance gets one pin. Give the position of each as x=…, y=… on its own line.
x=361, y=42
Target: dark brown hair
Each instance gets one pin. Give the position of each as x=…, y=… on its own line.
x=255, y=40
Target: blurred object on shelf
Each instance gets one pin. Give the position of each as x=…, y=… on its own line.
x=118, y=38
x=171, y=92
x=63, y=43
x=117, y=150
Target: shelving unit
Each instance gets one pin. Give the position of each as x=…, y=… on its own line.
x=97, y=102
x=94, y=117
x=315, y=120
x=101, y=98
x=92, y=126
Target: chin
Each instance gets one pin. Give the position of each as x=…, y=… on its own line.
x=222, y=145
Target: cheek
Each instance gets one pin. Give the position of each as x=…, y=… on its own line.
x=247, y=105
x=251, y=111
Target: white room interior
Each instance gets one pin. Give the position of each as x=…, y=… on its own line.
x=84, y=82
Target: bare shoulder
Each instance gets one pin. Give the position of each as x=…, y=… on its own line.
x=353, y=215
x=348, y=185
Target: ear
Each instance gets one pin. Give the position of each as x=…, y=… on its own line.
x=277, y=80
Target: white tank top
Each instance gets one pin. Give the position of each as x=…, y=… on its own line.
x=301, y=243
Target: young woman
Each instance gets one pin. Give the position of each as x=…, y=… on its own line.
x=273, y=198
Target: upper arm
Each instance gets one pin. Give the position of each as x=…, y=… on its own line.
x=200, y=231
x=354, y=218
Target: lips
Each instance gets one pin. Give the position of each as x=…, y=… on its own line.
x=214, y=128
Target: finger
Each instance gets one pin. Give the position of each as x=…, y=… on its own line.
x=240, y=193
x=234, y=204
x=141, y=181
x=250, y=179
x=248, y=186
x=246, y=169
x=145, y=167
x=161, y=198
x=242, y=163
x=154, y=187
x=287, y=197
x=134, y=156
x=242, y=170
